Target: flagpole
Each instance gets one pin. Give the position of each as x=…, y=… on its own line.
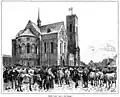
x=71, y=9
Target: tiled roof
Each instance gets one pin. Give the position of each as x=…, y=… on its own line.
x=35, y=26
x=27, y=32
x=54, y=27
x=31, y=29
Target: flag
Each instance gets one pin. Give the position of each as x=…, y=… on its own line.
x=71, y=9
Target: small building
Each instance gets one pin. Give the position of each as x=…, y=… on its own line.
x=7, y=60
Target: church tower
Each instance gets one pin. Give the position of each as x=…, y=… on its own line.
x=72, y=35
x=38, y=20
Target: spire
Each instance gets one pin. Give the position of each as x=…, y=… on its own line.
x=38, y=20
x=38, y=13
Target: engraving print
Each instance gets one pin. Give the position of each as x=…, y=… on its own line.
x=59, y=47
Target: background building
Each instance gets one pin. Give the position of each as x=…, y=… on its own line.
x=7, y=60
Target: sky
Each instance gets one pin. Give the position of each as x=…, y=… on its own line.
x=97, y=24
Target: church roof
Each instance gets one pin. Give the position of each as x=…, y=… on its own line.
x=27, y=32
x=54, y=27
x=36, y=27
x=31, y=29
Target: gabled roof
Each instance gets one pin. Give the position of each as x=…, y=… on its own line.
x=27, y=32
x=31, y=29
x=35, y=26
x=54, y=27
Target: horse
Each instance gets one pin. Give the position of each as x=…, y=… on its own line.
x=47, y=80
x=25, y=77
x=54, y=72
x=75, y=77
x=85, y=76
x=10, y=76
x=31, y=73
x=93, y=78
x=38, y=80
x=19, y=80
x=100, y=78
x=60, y=76
x=6, y=78
x=67, y=77
x=50, y=72
x=51, y=77
x=110, y=78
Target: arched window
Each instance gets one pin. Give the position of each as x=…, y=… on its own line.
x=28, y=38
x=48, y=30
x=33, y=48
x=61, y=48
x=28, y=48
x=36, y=49
x=19, y=49
x=23, y=48
x=64, y=47
x=19, y=40
x=45, y=47
x=70, y=29
x=52, y=47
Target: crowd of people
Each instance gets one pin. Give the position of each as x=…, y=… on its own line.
x=47, y=77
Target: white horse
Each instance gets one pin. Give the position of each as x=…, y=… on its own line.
x=60, y=76
x=67, y=76
x=93, y=78
x=100, y=77
x=110, y=79
x=50, y=72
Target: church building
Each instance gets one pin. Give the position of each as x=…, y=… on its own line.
x=47, y=45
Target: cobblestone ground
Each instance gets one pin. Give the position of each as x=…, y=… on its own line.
x=66, y=89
